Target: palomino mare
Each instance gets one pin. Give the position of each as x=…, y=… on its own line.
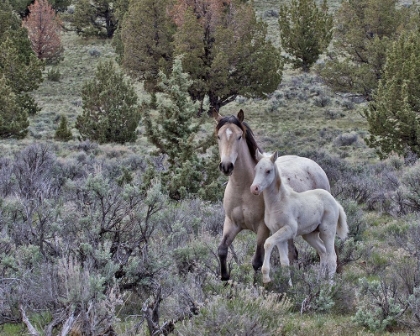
x=289, y=214
x=243, y=210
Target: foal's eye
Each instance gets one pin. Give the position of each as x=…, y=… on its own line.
x=268, y=171
x=240, y=137
x=218, y=137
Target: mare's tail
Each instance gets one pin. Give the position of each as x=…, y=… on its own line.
x=342, y=227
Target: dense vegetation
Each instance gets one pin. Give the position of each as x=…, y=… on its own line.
x=114, y=231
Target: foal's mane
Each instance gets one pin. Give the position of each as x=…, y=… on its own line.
x=249, y=135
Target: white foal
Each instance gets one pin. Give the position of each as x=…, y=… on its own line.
x=314, y=214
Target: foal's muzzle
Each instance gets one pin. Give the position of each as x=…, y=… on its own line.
x=255, y=189
x=226, y=167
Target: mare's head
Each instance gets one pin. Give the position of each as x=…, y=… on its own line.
x=265, y=172
x=232, y=132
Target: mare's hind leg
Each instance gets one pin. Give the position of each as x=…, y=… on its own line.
x=279, y=238
x=258, y=258
x=230, y=230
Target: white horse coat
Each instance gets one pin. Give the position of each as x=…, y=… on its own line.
x=289, y=214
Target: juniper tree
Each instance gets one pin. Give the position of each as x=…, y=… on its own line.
x=174, y=132
x=44, y=31
x=21, y=68
x=8, y=19
x=110, y=110
x=18, y=63
x=95, y=18
x=225, y=50
x=394, y=113
x=13, y=120
x=224, y=47
x=146, y=36
x=364, y=31
x=306, y=31
x=63, y=133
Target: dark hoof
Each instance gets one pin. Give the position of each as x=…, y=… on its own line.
x=225, y=277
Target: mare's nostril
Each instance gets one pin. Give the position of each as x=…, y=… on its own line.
x=226, y=168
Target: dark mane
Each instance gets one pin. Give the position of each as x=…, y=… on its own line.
x=249, y=135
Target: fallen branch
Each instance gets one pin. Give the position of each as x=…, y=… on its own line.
x=32, y=331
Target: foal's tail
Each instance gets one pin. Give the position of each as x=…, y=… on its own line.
x=342, y=227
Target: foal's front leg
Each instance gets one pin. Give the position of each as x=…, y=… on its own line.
x=279, y=238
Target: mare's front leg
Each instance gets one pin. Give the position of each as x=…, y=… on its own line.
x=262, y=234
x=279, y=238
x=230, y=230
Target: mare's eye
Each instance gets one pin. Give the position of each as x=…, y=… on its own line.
x=240, y=137
x=268, y=171
x=218, y=137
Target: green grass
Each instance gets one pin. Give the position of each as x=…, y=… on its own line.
x=12, y=330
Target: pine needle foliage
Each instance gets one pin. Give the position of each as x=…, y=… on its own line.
x=394, y=113
x=110, y=110
x=173, y=129
x=306, y=31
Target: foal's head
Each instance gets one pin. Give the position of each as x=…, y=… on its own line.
x=265, y=172
x=231, y=133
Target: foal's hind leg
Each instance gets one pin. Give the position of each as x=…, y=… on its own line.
x=316, y=242
x=327, y=234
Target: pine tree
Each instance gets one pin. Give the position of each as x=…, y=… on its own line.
x=306, y=31
x=110, y=111
x=63, y=133
x=13, y=121
x=394, y=113
x=44, y=31
x=364, y=31
x=174, y=133
x=147, y=36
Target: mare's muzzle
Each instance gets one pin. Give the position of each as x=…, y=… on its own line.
x=226, y=167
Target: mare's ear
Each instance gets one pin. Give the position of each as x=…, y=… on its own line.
x=216, y=115
x=241, y=115
x=274, y=157
x=258, y=155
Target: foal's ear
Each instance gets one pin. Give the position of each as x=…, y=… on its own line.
x=241, y=115
x=274, y=157
x=216, y=115
x=258, y=155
